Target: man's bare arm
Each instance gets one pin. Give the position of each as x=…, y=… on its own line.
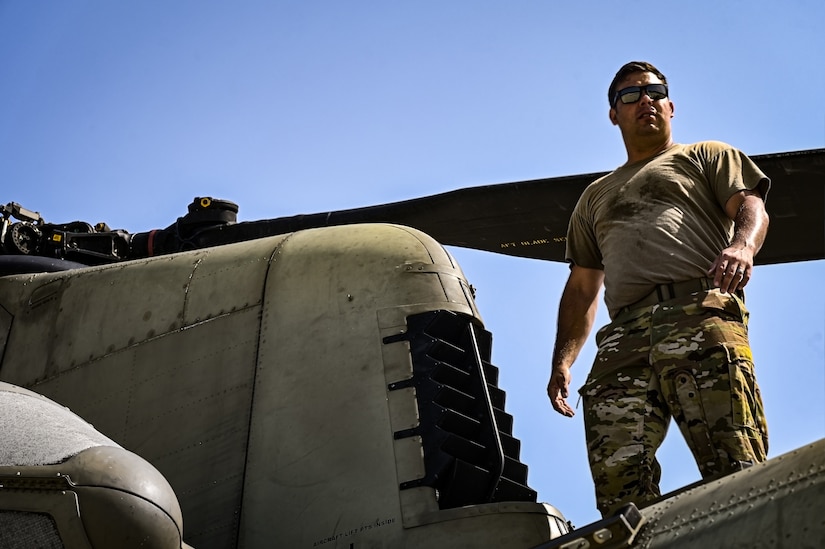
x=577, y=312
x=733, y=267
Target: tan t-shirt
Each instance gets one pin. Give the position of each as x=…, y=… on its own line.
x=660, y=220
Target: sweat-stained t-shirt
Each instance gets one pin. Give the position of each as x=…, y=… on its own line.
x=659, y=220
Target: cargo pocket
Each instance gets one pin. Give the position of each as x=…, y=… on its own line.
x=746, y=402
x=747, y=411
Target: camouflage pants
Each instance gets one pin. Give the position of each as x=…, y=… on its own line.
x=688, y=359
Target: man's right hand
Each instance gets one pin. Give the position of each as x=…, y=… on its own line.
x=577, y=310
x=557, y=390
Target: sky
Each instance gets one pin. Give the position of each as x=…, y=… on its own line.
x=123, y=112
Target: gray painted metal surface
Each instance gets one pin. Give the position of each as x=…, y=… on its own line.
x=254, y=377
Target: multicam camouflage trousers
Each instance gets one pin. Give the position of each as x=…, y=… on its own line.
x=686, y=358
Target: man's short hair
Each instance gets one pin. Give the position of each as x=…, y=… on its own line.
x=628, y=69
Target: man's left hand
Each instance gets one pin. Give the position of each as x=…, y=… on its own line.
x=732, y=269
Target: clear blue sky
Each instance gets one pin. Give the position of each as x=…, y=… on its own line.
x=124, y=111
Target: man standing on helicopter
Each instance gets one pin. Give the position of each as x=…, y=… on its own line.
x=671, y=235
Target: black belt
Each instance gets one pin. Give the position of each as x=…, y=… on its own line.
x=673, y=290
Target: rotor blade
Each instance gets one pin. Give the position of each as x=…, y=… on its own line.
x=796, y=205
x=526, y=219
x=529, y=218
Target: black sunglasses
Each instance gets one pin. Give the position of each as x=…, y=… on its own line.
x=634, y=93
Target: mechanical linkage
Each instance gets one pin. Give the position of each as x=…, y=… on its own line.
x=25, y=233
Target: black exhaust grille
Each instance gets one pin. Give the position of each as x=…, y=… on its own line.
x=470, y=455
